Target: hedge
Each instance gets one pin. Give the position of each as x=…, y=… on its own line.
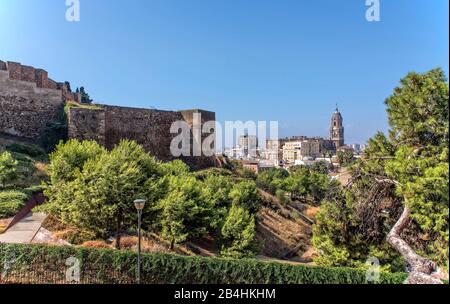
x=44, y=264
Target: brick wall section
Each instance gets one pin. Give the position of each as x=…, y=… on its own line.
x=28, y=74
x=150, y=128
x=41, y=77
x=27, y=118
x=25, y=110
x=29, y=100
x=87, y=124
x=21, y=72
x=15, y=70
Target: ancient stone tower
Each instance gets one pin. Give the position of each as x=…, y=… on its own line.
x=337, y=129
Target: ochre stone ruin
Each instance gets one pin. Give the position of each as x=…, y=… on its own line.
x=31, y=105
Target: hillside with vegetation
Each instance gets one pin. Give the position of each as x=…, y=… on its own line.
x=393, y=208
x=22, y=172
x=215, y=212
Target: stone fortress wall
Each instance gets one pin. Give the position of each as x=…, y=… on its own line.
x=150, y=128
x=30, y=101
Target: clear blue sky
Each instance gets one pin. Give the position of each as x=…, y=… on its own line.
x=290, y=61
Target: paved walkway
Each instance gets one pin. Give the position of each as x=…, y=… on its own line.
x=24, y=231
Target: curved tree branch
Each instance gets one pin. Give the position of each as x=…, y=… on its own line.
x=421, y=268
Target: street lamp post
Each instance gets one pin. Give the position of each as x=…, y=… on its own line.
x=139, y=204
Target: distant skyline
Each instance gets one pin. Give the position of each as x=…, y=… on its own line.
x=289, y=60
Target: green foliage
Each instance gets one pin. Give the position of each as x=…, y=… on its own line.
x=298, y=182
x=11, y=202
x=421, y=163
x=184, y=211
x=214, y=172
x=238, y=233
x=19, y=176
x=345, y=158
x=319, y=186
x=24, y=171
x=344, y=239
x=76, y=236
x=301, y=183
x=353, y=222
x=92, y=190
x=321, y=167
x=28, y=149
x=54, y=132
x=85, y=98
x=69, y=158
x=176, y=167
x=269, y=180
x=217, y=189
x=247, y=173
x=245, y=195
x=281, y=195
x=8, y=169
x=113, y=267
x=418, y=111
x=99, y=196
x=411, y=167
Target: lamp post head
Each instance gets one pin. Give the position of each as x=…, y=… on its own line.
x=139, y=204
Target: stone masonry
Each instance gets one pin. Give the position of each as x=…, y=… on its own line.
x=150, y=128
x=30, y=101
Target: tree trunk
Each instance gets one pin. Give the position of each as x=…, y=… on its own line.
x=118, y=233
x=172, y=244
x=421, y=268
x=118, y=240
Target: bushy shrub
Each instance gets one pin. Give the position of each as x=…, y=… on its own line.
x=245, y=194
x=8, y=168
x=238, y=233
x=247, y=173
x=29, y=149
x=184, y=212
x=281, y=196
x=106, y=182
x=11, y=202
x=70, y=157
x=269, y=180
x=176, y=167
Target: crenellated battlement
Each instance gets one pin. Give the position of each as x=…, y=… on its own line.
x=19, y=72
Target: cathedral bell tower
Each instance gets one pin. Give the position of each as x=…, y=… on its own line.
x=337, y=129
